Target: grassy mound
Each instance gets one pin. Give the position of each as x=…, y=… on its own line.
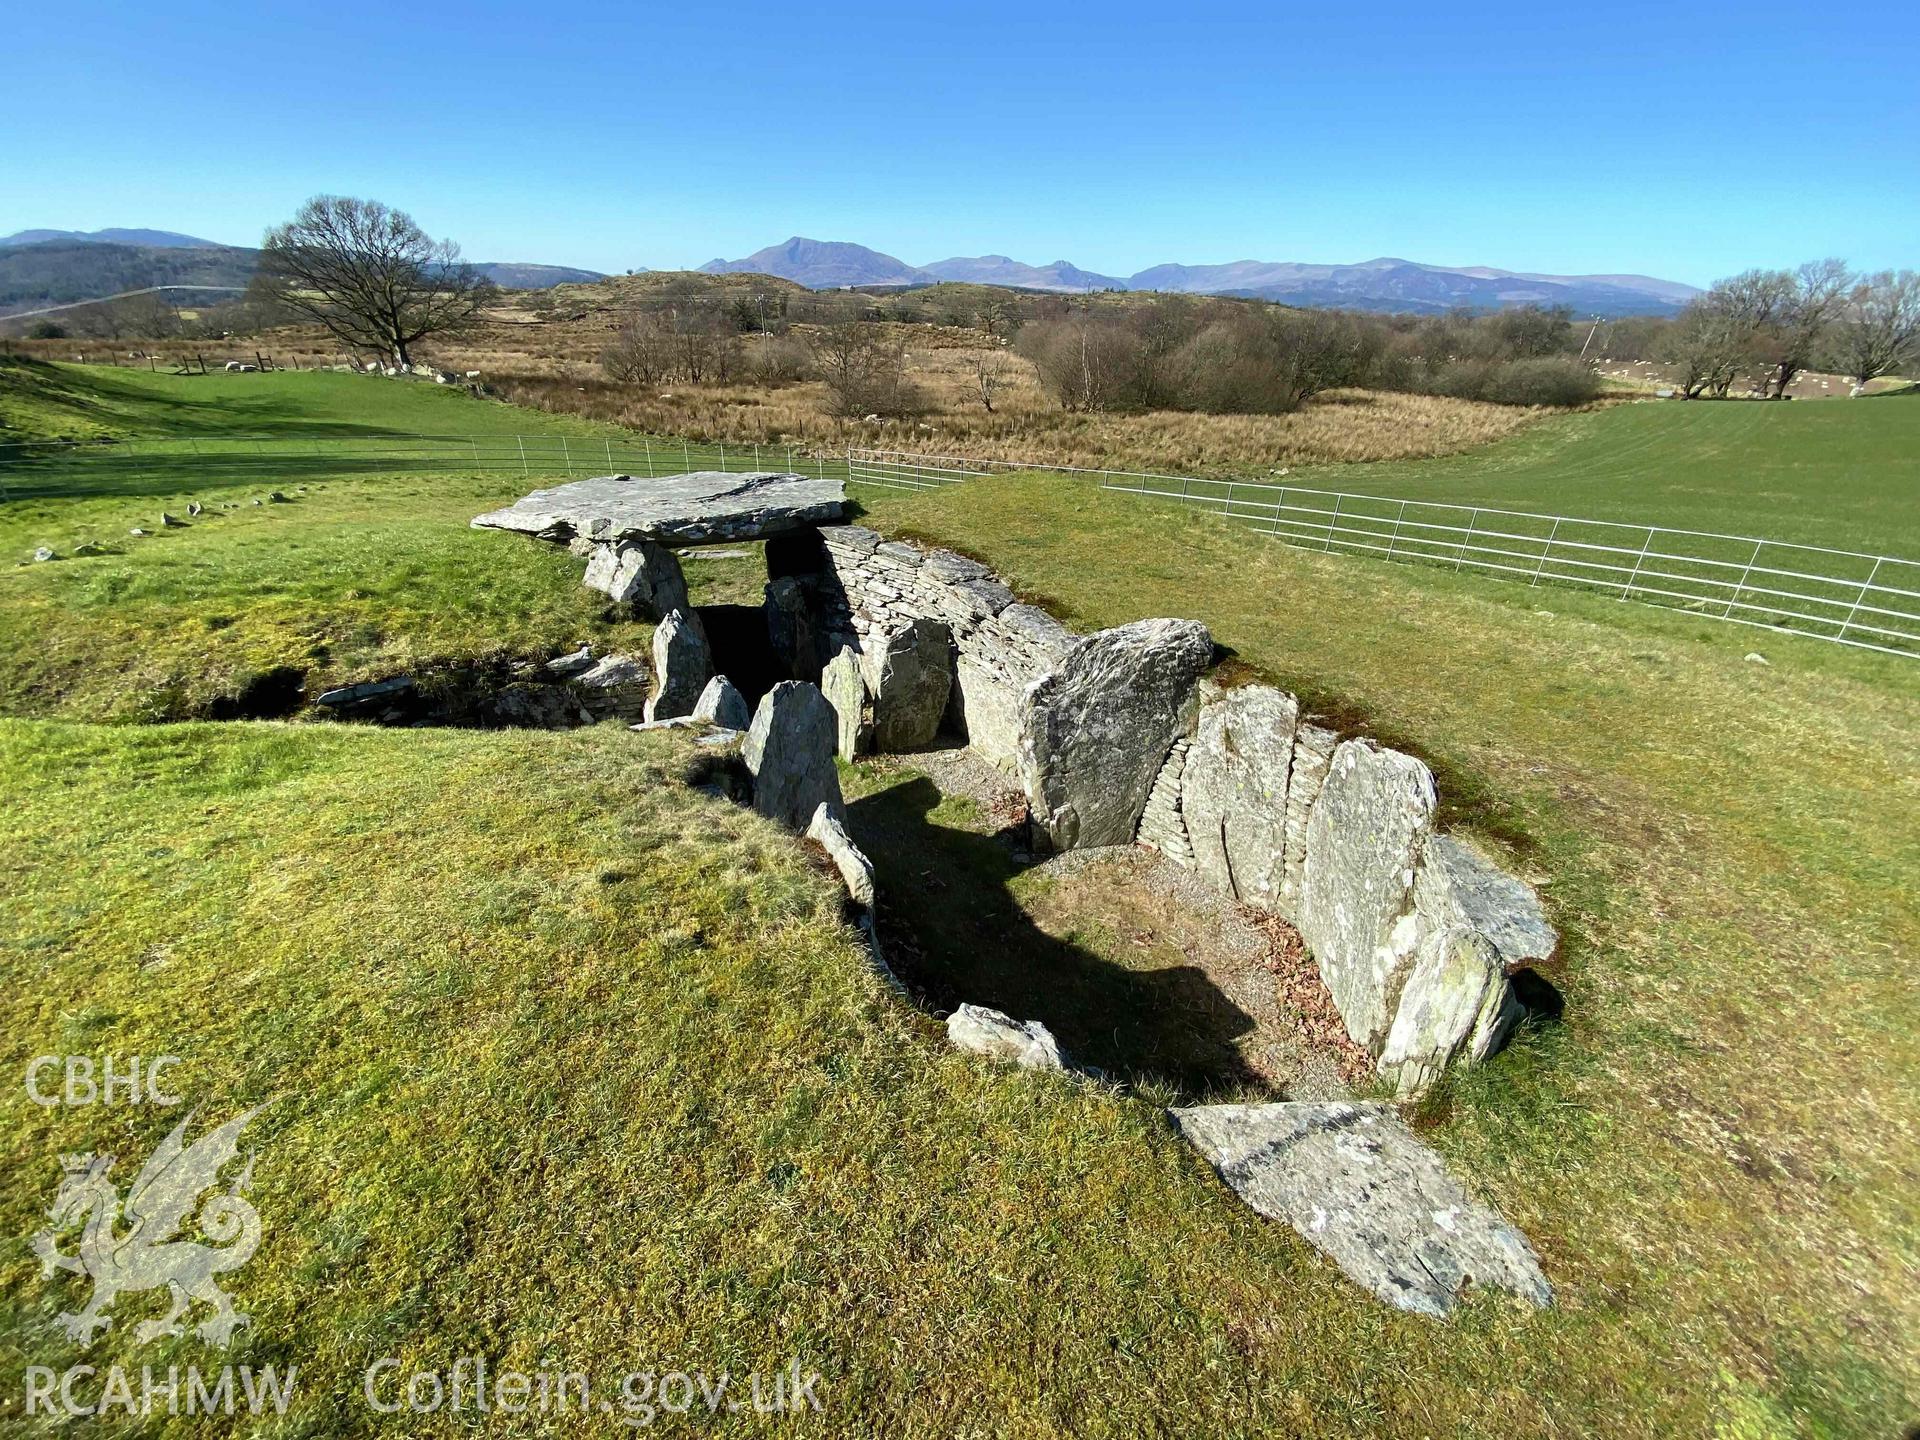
x=1707, y=1146
x=577, y=1069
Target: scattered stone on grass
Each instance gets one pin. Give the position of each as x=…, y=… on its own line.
x=1026, y=1043
x=1356, y=1184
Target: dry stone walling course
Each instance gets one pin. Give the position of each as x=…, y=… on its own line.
x=1113, y=738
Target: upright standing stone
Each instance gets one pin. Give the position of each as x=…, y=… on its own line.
x=1475, y=926
x=790, y=628
x=1364, y=841
x=910, y=672
x=682, y=665
x=1312, y=753
x=723, y=705
x=639, y=573
x=846, y=691
x=1233, y=793
x=789, y=753
x=1099, y=724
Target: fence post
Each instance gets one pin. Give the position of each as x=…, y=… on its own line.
x=686, y=455
x=520, y=440
x=1752, y=560
x=1226, y=510
x=566, y=455
x=723, y=454
x=1473, y=523
x=1333, y=523
x=1865, y=585
x=646, y=447
x=609, y=454
x=1545, y=551
x=1641, y=559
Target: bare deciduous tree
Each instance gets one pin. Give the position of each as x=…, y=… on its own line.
x=1709, y=346
x=1818, y=291
x=371, y=276
x=991, y=375
x=864, y=370
x=1878, y=330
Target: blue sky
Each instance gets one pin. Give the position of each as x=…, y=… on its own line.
x=1681, y=141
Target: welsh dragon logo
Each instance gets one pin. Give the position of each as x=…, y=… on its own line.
x=131, y=1244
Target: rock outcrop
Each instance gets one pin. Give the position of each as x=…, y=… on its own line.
x=1357, y=1185
x=789, y=753
x=682, y=666
x=701, y=508
x=1099, y=724
x=993, y=1033
x=909, y=673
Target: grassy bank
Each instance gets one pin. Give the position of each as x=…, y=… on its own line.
x=1843, y=473
x=1715, y=1146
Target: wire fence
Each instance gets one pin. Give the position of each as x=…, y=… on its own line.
x=1856, y=599
x=1863, y=600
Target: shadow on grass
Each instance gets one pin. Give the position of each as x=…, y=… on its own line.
x=955, y=932
x=84, y=476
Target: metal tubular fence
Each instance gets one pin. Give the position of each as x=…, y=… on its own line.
x=1868, y=601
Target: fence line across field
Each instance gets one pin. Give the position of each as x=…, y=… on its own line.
x=1853, y=598
x=1868, y=601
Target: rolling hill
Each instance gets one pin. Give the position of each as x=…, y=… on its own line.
x=42, y=268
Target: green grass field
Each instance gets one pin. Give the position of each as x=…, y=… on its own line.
x=575, y=1067
x=1840, y=473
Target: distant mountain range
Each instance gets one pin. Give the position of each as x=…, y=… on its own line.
x=159, y=239
x=55, y=267
x=40, y=268
x=1385, y=284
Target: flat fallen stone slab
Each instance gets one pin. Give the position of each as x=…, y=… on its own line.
x=700, y=508
x=1357, y=1185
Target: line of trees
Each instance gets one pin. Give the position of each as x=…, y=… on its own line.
x=1771, y=326
x=1239, y=357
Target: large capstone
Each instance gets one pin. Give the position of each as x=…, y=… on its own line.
x=1100, y=723
x=789, y=753
x=1475, y=925
x=699, y=508
x=1357, y=1185
x=1233, y=791
x=639, y=573
x=846, y=690
x=682, y=666
x=909, y=673
x=1364, y=841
